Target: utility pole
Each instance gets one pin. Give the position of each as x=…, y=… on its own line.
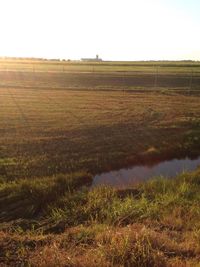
x=191, y=80
x=124, y=82
x=156, y=77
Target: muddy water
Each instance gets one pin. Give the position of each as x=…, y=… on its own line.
x=126, y=177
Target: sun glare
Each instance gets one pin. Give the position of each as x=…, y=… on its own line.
x=117, y=30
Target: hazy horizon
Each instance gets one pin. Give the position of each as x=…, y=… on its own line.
x=103, y=60
x=116, y=30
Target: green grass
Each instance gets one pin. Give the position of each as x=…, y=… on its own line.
x=66, y=196
x=153, y=224
x=30, y=198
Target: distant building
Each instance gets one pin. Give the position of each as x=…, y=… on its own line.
x=97, y=59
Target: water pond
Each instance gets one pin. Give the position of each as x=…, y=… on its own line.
x=126, y=177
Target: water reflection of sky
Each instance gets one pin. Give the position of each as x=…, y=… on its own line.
x=127, y=177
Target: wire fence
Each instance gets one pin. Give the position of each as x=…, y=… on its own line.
x=123, y=82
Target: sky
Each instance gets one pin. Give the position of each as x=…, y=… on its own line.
x=114, y=29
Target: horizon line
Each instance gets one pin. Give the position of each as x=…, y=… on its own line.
x=106, y=60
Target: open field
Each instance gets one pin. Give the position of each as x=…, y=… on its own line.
x=63, y=122
x=44, y=132
x=31, y=65
x=104, y=76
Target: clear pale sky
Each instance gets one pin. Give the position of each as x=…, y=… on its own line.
x=114, y=29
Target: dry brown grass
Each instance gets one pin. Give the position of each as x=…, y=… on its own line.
x=44, y=132
x=134, y=245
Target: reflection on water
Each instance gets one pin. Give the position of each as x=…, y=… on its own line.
x=136, y=174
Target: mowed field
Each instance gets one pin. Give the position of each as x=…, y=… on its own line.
x=104, y=76
x=63, y=122
x=50, y=131
x=58, y=117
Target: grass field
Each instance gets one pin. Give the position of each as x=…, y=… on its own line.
x=63, y=122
